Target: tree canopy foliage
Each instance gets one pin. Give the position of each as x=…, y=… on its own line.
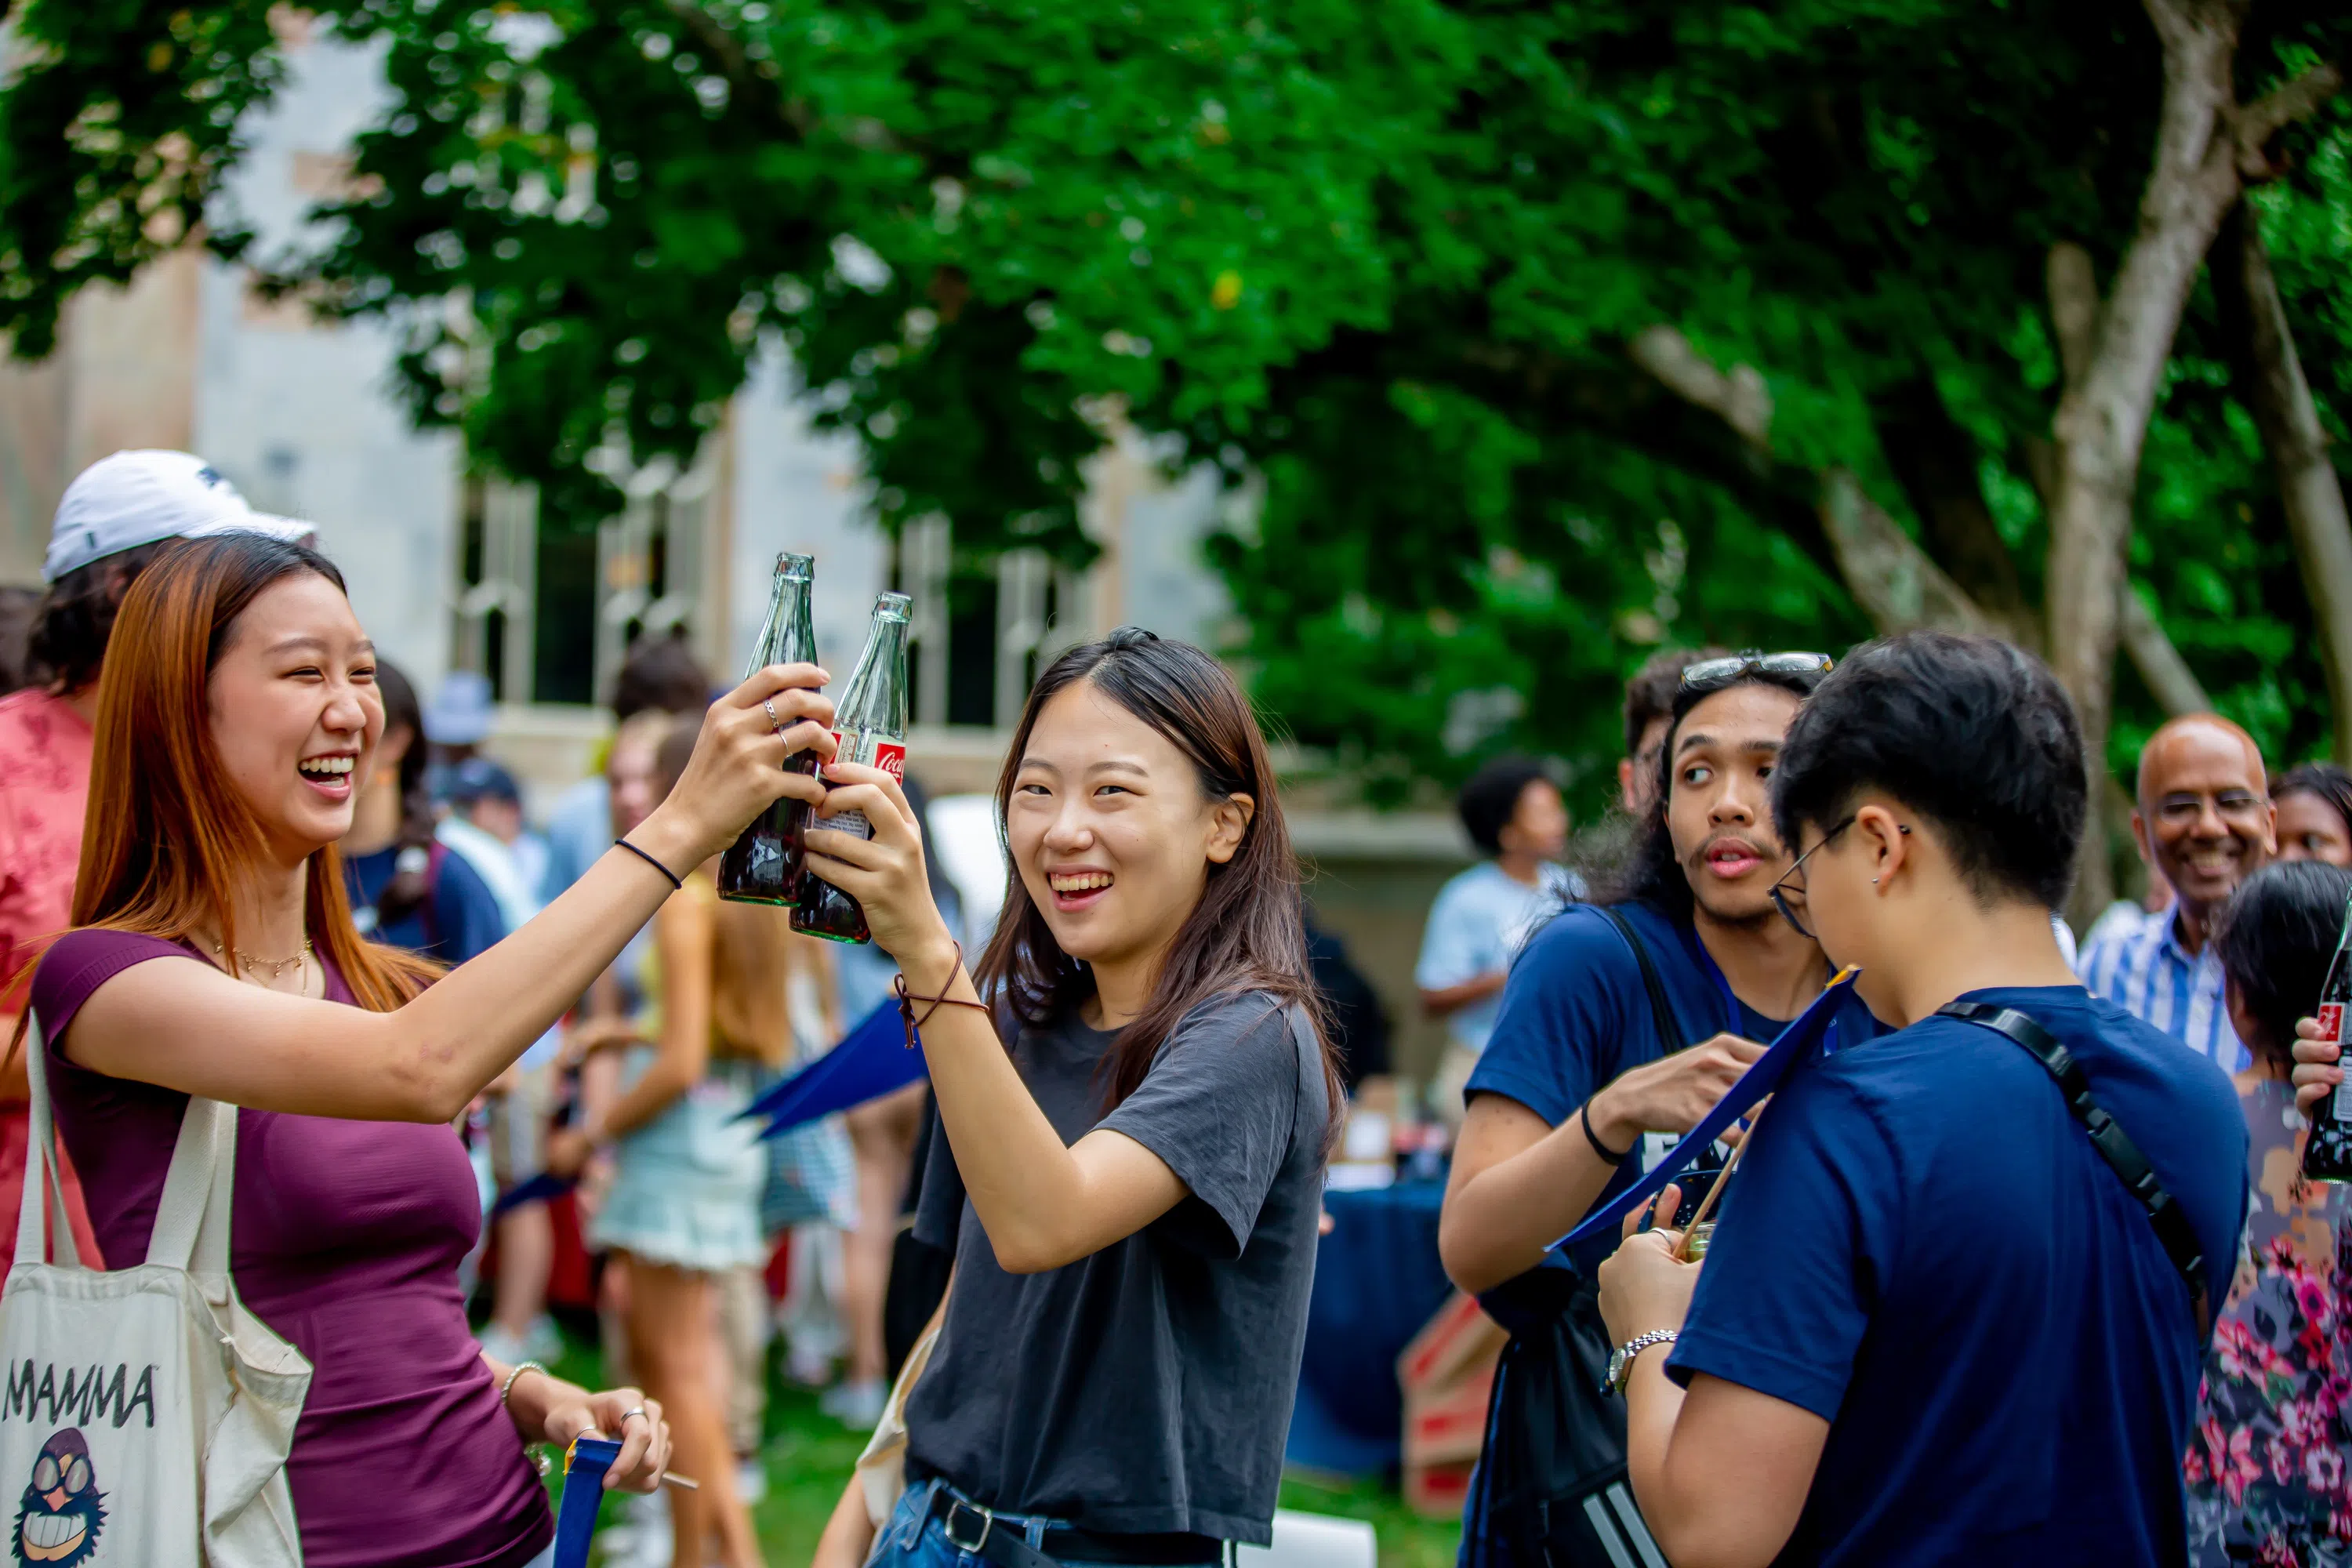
x=1396, y=262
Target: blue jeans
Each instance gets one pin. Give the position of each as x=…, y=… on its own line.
x=910, y=1538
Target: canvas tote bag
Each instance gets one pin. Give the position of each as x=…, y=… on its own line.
x=144, y=1414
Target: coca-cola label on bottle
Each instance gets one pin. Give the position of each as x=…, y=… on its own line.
x=2331, y=1028
x=890, y=756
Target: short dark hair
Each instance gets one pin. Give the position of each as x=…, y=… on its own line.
x=1973, y=733
x=1491, y=799
x=1650, y=690
x=1652, y=874
x=17, y=608
x=76, y=618
x=2325, y=780
x=660, y=675
x=2274, y=938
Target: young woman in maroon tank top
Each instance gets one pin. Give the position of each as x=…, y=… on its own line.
x=215, y=955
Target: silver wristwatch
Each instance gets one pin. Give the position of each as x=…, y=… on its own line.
x=1620, y=1361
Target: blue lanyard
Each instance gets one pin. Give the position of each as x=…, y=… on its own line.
x=1708, y=967
x=1735, y=1020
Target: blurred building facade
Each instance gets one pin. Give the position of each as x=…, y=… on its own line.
x=451, y=571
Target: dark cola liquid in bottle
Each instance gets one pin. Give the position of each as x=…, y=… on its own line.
x=871, y=726
x=763, y=865
x=2328, y=1156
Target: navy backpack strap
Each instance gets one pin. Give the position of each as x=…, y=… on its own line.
x=1662, y=1011
x=2107, y=1136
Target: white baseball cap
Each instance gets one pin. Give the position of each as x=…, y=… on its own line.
x=132, y=498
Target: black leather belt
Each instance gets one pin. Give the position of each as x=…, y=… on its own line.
x=1003, y=1540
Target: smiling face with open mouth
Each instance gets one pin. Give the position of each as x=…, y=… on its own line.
x=1717, y=808
x=294, y=714
x=2204, y=815
x=1111, y=830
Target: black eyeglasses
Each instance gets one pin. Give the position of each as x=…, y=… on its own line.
x=1785, y=897
x=1710, y=674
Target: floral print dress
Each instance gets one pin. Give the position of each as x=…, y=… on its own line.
x=2266, y=1466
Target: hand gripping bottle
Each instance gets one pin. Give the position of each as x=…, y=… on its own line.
x=871, y=725
x=763, y=865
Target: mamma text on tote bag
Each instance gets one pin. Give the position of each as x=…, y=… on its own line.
x=144, y=1413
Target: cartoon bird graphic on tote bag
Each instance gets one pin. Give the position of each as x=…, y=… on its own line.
x=59, y=1522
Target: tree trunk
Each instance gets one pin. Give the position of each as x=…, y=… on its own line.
x=1938, y=466
x=2206, y=145
x=1898, y=583
x=2270, y=375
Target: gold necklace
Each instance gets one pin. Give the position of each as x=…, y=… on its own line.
x=276, y=967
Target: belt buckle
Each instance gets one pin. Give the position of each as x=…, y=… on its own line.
x=987, y=1523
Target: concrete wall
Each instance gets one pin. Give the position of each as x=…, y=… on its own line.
x=798, y=489
x=123, y=376
x=298, y=414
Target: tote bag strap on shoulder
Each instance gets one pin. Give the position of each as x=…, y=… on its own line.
x=1662, y=1011
x=191, y=1218
x=42, y=1188
x=2107, y=1136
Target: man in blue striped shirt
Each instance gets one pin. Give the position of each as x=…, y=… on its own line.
x=2204, y=824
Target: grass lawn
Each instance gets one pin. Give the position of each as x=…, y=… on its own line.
x=809, y=1456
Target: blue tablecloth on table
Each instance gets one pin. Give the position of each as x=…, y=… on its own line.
x=1376, y=1281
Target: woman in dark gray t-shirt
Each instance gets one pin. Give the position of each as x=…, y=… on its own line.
x=1131, y=1188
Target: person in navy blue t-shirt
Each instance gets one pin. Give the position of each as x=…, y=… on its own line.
x=1934, y=1326
x=1576, y=1093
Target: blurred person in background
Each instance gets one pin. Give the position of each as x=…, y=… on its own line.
x=408, y=888
x=18, y=606
x=606, y=1025
x=2203, y=822
x=2267, y=1471
x=660, y=675
x=683, y=1201
x=458, y=721
x=2314, y=814
x=882, y=1134
x=1514, y=814
x=115, y=519
x=1358, y=1024
x=484, y=795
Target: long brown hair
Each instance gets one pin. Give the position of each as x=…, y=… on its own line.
x=751, y=962
x=1247, y=933
x=166, y=836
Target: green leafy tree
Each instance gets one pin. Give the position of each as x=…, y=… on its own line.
x=1542, y=333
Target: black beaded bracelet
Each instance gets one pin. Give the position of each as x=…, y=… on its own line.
x=1609, y=1156
x=625, y=844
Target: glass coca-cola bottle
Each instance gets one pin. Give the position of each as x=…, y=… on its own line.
x=871, y=726
x=763, y=865
x=2327, y=1153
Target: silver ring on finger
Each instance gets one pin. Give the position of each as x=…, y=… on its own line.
x=633, y=1410
x=770, y=705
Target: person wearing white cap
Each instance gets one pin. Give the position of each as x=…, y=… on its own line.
x=115, y=517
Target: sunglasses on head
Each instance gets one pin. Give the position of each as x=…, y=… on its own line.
x=1713, y=674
